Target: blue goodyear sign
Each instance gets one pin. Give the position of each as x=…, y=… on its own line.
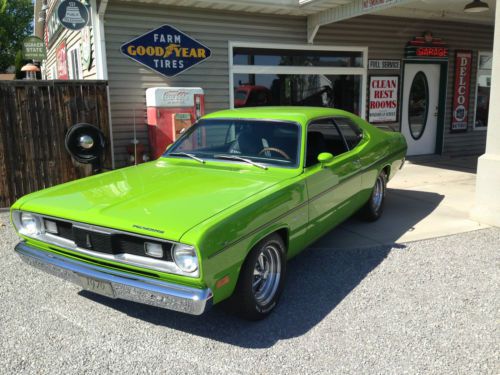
x=166, y=50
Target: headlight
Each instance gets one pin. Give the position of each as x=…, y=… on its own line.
x=185, y=258
x=30, y=224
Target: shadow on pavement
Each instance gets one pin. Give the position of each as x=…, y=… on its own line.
x=460, y=164
x=317, y=281
x=404, y=209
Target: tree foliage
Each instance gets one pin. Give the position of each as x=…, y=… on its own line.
x=16, y=22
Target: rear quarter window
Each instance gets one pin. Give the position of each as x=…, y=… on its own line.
x=352, y=133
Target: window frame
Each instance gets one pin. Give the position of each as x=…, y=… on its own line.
x=352, y=124
x=297, y=70
x=330, y=119
x=476, y=89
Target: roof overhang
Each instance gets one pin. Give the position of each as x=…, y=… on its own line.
x=439, y=10
x=323, y=12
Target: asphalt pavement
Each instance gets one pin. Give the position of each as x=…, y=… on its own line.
x=423, y=307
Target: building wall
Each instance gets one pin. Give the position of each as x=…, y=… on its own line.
x=72, y=38
x=385, y=38
x=129, y=80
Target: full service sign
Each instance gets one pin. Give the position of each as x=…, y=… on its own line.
x=384, y=64
x=383, y=105
x=166, y=50
x=461, y=91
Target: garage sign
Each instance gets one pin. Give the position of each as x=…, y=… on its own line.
x=166, y=50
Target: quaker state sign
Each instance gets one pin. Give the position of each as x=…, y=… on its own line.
x=34, y=49
x=166, y=50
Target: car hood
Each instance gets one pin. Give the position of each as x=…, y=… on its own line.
x=162, y=198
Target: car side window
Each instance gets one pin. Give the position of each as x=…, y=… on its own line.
x=323, y=136
x=352, y=133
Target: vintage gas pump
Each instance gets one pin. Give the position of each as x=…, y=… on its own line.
x=171, y=110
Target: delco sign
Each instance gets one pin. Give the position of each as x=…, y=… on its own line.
x=166, y=50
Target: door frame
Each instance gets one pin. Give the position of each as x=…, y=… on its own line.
x=443, y=82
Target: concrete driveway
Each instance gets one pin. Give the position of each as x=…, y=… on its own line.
x=430, y=197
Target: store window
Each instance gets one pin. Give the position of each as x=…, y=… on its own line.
x=301, y=76
x=74, y=63
x=483, y=90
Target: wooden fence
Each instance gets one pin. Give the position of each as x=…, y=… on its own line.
x=34, y=118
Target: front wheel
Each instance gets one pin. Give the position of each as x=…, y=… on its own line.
x=261, y=279
x=372, y=210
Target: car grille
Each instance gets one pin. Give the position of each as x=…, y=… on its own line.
x=90, y=240
x=108, y=243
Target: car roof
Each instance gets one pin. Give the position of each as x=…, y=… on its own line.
x=295, y=114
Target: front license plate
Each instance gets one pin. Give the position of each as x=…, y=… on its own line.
x=97, y=286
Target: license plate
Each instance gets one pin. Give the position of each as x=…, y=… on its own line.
x=97, y=286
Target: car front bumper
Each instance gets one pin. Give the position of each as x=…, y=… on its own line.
x=117, y=284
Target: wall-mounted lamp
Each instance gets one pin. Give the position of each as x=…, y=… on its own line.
x=476, y=6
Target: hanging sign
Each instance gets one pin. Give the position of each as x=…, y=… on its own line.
x=62, y=61
x=86, y=48
x=34, y=49
x=72, y=14
x=461, y=91
x=166, y=50
x=372, y=4
x=383, y=103
x=384, y=64
x=426, y=47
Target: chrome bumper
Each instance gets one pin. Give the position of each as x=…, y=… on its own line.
x=123, y=285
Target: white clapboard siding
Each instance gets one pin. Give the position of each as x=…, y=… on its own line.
x=385, y=38
x=128, y=80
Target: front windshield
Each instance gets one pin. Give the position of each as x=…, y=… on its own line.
x=262, y=141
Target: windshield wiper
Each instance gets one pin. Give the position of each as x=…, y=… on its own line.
x=188, y=155
x=236, y=157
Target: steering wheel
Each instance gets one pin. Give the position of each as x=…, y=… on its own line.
x=274, y=149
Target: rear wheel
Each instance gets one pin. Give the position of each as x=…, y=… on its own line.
x=372, y=210
x=261, y=279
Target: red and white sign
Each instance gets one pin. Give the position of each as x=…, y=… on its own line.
x=383, y=104
x=371, y=4
x=461, y=91
x=62, y=61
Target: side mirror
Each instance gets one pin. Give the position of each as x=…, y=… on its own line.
x=325, y=157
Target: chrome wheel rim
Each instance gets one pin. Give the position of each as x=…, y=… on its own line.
x=266, y=275
x=378, y=193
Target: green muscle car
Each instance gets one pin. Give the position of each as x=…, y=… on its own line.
x=218, y=215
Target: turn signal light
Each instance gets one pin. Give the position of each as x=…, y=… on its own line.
x=225, y=280
x=154, y=250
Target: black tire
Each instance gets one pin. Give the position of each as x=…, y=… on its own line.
x=373, y=209
x=254, y=300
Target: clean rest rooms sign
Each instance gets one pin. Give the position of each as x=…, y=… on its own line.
x=166, y=50
x=383, y=105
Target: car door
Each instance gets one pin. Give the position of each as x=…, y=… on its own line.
x=331, y=186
